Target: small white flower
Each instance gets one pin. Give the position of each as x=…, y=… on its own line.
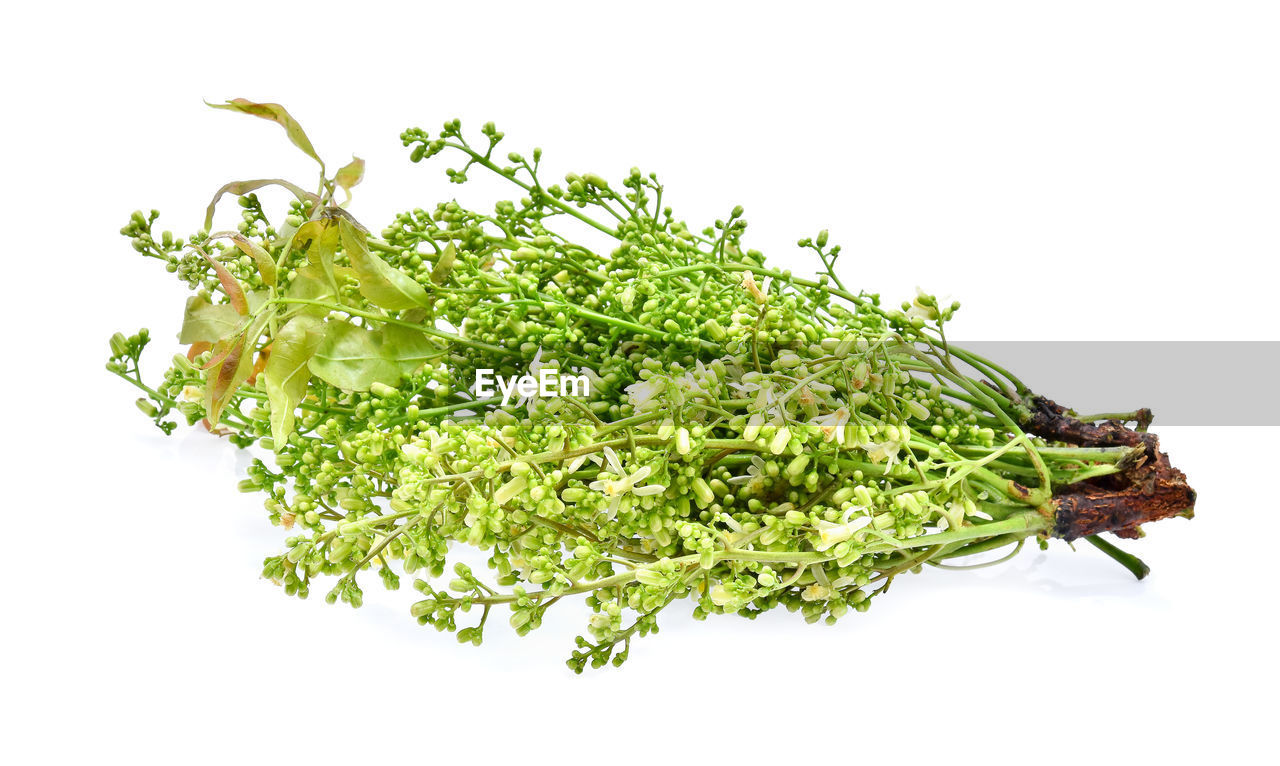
x=767, y=406
x=645, y=395
x=749, y=284
x=509, y=490
x=577, y=462
x=530, y=402
x=886, y=451
x=896, y=438
x=831, y=534
x=192, y=393
x=883, y=450
x=616, y=488
x=805, y=397
x=536, y=364
x=815, y=592
x=754, y=477
x=698, y=382
x=926, y=306
x=730, y=522
x=832, y=424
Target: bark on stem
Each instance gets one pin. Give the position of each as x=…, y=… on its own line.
x=1148, y=487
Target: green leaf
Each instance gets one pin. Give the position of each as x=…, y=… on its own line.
x=319, y=238
x=277, y=114
x=351, y=358
x=354, y=358
x=240, y=188
x=310, y=285
x=256, y=300
x=383, y=285
x=410, y=349
x=207, y=322
x=350, y=175
x=440, y=272
x=266, y=265
x=288, y=372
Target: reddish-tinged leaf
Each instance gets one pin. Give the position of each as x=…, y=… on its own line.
x=220, y=351
x=218, y=430
x=266, y=265
x=225, y=377
x=231, y=367
x=239, y=188
x=259, y=364
x=229, y=285
x=198, y=348
x=277, y=114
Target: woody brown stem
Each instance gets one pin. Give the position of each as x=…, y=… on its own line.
x=1148, y=488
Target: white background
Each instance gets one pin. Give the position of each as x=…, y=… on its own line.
x=1086, y=170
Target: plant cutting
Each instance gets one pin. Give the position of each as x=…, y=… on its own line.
x=747, y=438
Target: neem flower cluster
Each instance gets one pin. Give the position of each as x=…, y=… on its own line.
x=748, y=438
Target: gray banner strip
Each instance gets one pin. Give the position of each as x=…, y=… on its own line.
x=1185, y=383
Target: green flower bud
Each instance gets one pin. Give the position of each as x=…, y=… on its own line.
x=778, y=444
x=797, y=466
x=510, y=490
x=682, y=441
x=703, y=492
x=382, y=390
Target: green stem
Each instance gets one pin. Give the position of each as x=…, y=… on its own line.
x=1024, y=524
x=639, y=329
x=485, y=162
x=1126, y=560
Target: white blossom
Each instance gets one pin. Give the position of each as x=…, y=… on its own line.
x=831, y=534
x=623, y=483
